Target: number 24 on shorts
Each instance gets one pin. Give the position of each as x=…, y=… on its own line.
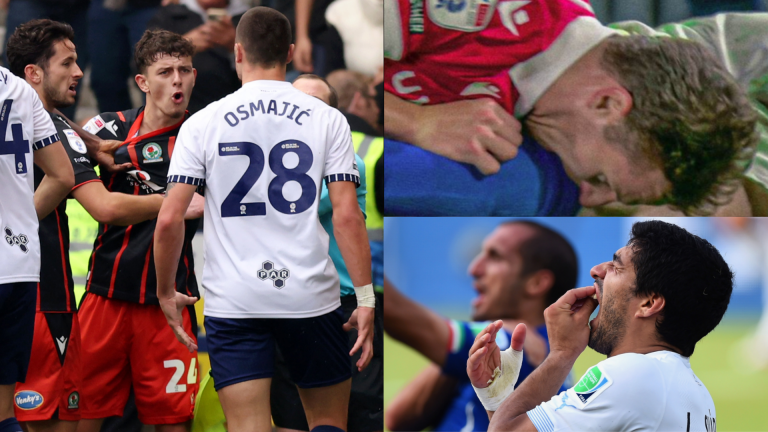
x=173, y=385
x=232, y=206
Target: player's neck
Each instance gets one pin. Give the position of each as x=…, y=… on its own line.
x=255, y=73
x=154, y=120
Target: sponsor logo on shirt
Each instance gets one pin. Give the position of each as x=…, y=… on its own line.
x=28, y=399
x=269, y=271
x=75, y=141
x=152, y=153
x=463, y=15
x=591, y=384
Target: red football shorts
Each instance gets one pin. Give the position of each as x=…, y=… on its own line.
x=126, y=343
x=53, y=377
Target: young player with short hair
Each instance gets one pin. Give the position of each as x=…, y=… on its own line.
x=125, y=339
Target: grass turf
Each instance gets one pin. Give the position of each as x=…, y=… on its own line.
x=740, y=393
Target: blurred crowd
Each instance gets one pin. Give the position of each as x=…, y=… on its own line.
x=341, y=40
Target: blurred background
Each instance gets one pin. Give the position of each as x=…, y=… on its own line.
x=427, y=259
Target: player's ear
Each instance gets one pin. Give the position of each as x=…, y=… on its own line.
x=239, y=53
x=290, y=54
x=610, y=104
x=33, y=73
x=650, y=305
x=141, y=81
x=539, y=283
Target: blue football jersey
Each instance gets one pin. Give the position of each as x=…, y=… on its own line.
x=466, y=413
x=421, y=183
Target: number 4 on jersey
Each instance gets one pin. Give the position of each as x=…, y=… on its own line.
x=18, y=146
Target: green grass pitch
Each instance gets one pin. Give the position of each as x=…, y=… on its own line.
x=740, y=392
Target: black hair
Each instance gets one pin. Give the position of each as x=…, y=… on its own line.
x=33, y=43
x=265, y=35
x=549, y=250
x=689, y=273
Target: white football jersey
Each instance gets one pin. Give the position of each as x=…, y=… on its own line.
x=261, y=153
x=24, y=126
x=631, y=392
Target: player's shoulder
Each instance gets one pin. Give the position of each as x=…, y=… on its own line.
x=632, y=376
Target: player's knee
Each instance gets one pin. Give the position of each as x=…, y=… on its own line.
x=326, y=428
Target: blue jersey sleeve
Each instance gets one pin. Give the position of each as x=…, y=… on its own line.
x=421, y=183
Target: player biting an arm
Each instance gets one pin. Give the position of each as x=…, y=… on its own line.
x=125, y=339
x=262, y=153
x=661, y=293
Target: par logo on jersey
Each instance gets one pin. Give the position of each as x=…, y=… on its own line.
x=20, y=240
x=28, y=399
x=594, y=382
x=75, y=141
x=152, y=153
x=278, y=277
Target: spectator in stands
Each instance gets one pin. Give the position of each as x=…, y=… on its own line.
x=319, y=48
x=357, y=101
x=72, y=12
x=214, y=40
x=361, y=26
x=114, y=28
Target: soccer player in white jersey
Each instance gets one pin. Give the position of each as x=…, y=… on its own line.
x=25, y=127
x=261, y=153
x=661, y=293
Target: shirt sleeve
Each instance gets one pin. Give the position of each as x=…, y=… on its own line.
x=340, y=162
x=188, y=161
x=395, y=30
x=77, y=152
x=625, y=392
x=45, y=131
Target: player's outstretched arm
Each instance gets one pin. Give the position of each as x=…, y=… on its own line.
x=169, y=238
x=352, y=238
x=415, y=325
x=103, y=155
x=478, y=131
x=115, y=208
x=568, y=332
x=422, y=402
x=58, y=181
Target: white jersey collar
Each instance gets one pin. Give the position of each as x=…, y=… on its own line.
x=534, y=76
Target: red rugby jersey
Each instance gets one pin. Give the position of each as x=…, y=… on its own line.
x=440, y=51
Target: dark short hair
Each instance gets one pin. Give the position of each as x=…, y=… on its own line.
x=265, y=35
x=333, y=98
x=689, y=116
x=155, y=43
x=548, y=250
x=32, y=43
x=689, y=273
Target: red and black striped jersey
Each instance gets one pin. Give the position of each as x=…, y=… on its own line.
x=122, y=265
x=55, y=290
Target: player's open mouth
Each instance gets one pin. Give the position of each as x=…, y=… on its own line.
x=72, y=88
x=597, y=294
x=178, y=97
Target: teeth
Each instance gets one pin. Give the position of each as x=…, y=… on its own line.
x=594, y=296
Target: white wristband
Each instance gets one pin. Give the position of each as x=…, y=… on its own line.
x=503, y=381
x=365, y=296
